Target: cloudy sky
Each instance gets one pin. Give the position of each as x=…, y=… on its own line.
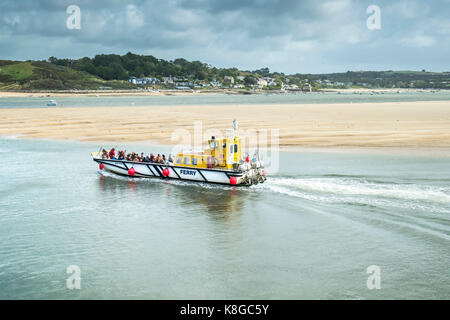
x=285, y=35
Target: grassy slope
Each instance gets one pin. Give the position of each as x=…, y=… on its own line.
x=41, y=75
x=18, y=71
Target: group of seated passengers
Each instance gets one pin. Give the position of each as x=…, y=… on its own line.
x=121, y=155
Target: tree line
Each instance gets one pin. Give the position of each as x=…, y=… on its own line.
x=117, y=67
x=121, y=67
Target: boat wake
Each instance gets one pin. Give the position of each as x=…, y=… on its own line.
x=363, y=192
x=361, y=187
x=423, y=208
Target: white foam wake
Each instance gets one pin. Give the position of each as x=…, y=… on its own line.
x=311, y=188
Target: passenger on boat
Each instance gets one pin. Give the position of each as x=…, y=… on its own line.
x=112, y=154
x=170, y=158
x=152, y=158
x=164, y=158
x=104, y=154
x=121, y=155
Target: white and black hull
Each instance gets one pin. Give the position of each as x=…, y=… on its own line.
x=155, y=170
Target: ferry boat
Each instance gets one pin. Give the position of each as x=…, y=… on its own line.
x=221, y=163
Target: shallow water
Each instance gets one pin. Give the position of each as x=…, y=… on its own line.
x=223, y=99
x=309, y=232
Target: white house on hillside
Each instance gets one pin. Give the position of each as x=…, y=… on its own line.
x=270, y=81
x=261, y=83
x=145, y=80
x=228, y=79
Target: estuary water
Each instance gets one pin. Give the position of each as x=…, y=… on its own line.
x=224, y=99
x=310, y=232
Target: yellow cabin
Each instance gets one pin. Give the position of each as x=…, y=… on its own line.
x=221, y=154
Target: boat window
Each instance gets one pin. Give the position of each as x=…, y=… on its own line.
x=179, y=159
x=231, y=148
x=224, y=145
x=186, y=160
x=235, y=148
x=194, y=161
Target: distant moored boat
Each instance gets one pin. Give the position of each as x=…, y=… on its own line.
x=52, y=103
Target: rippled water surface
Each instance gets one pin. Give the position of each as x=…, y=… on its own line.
x=224, y=99
x=310, y=231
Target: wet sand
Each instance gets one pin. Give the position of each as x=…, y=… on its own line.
x=400, y=124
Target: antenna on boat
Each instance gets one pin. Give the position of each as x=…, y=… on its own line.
x=236, y=128
x=99, y=151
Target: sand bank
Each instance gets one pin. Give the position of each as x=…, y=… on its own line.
x=400, y=124
x=100, y=93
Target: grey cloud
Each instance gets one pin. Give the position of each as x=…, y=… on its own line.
x=289, y=36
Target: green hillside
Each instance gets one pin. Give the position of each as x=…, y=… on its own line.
x=111, y=71
x=42, y=75
x=18, y=71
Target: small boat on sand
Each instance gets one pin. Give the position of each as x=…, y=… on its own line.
x=221, y=163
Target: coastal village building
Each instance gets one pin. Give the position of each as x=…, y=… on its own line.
x=171, y=80
x=182, y=88
x=261, y=83
x=228, y=79
x=216, y=83
x=145, y=80
x=270, y=81
x=307, y=88
x=291, y=87
x=167, y=80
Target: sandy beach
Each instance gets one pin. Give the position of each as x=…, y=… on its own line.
x=401, y=124
x=167, y=92
x=115, y=93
